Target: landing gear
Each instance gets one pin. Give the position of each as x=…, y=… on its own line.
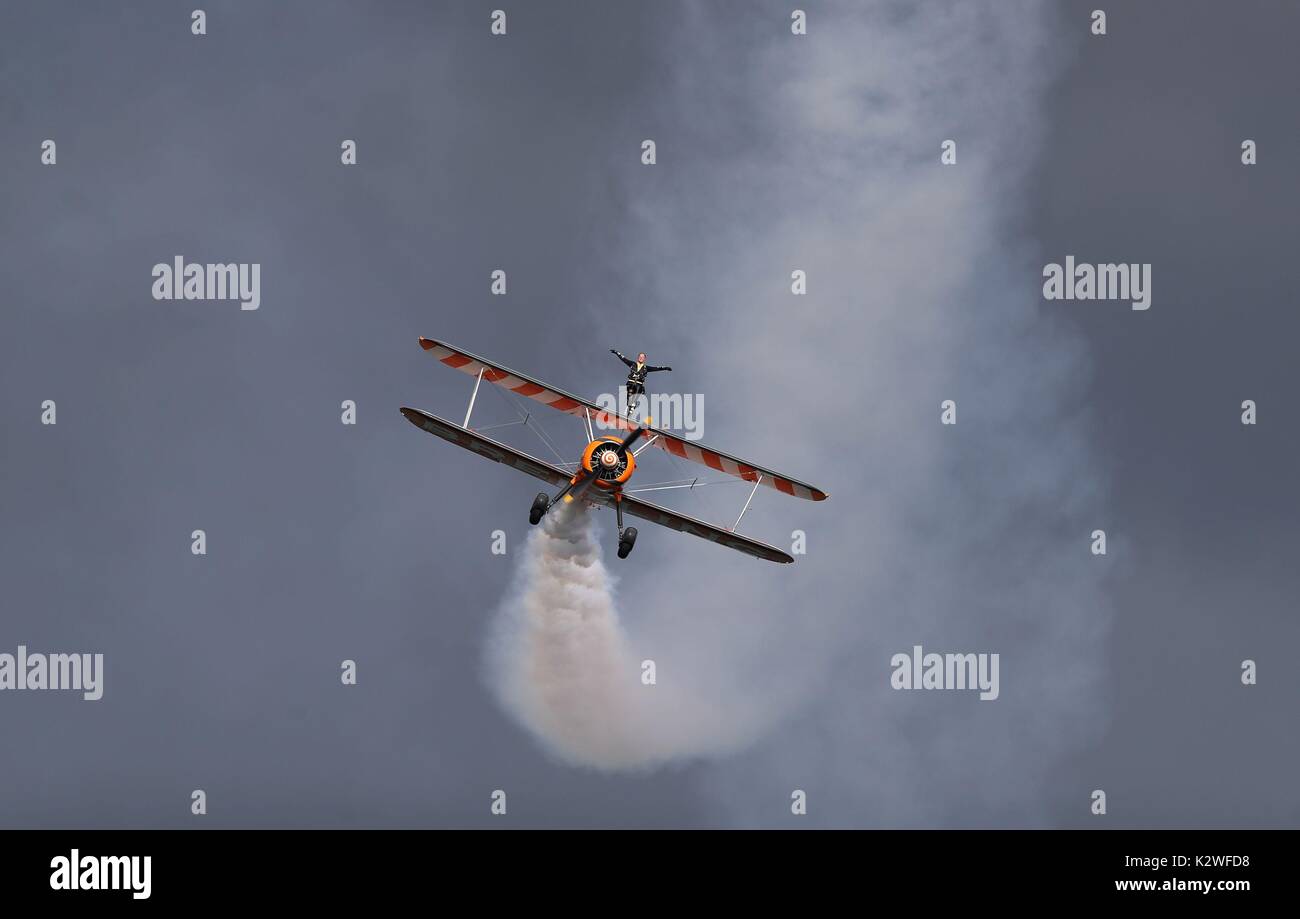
x=626, y=538
x=626, y=542
x=540, y=505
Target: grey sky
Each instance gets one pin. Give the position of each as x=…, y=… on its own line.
x=371, y=542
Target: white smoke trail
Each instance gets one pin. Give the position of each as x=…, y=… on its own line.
x=561, y=663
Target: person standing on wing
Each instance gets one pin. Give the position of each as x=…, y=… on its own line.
x=636, y=371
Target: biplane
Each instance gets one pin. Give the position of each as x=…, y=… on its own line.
x=600, y=476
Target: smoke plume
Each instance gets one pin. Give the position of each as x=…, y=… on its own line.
x=561, y=662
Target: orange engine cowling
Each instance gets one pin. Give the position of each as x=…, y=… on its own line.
x=609, y=461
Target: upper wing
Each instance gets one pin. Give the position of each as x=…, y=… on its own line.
x=573, y=405
x=486, y=446
x=509, y=456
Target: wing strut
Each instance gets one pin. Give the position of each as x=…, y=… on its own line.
x=637, y=451
x=757, y=482
x=469, y=411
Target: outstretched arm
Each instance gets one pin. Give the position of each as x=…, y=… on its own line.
x=653, y=369
x=619, y=355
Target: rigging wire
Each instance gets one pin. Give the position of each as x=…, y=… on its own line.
x=687, y=481
x=524, y=419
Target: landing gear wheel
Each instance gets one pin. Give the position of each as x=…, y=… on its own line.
x=626, y=542
x=540, y=504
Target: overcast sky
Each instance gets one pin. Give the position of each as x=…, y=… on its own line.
x=775, y=152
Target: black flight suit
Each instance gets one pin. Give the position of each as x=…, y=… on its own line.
x=635, y=379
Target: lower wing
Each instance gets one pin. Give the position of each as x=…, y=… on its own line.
x=486, y=446
x=680, y=522
x=540, y=469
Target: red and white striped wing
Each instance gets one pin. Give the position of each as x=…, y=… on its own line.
x=558, y=399
x=522, y=385
x=715, y=459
